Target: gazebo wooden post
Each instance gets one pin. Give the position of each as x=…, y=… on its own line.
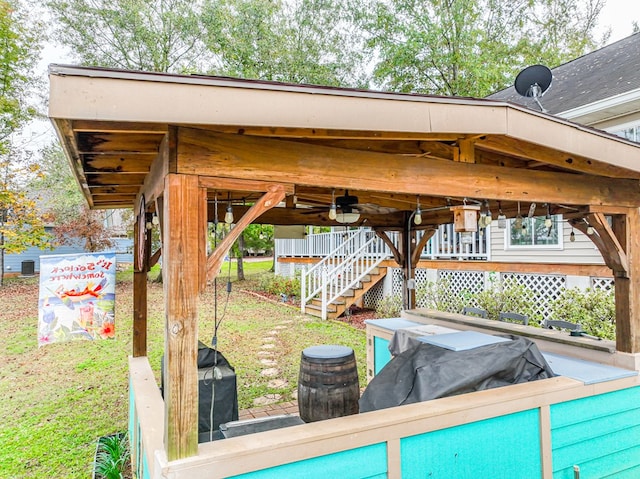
x=182, y=251
x=139, y=347
x=627, y=287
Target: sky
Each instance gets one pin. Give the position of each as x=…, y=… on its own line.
x=618, y=15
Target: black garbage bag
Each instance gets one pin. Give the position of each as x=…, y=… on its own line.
x=430, y=372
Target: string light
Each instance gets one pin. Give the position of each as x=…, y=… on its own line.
x=332, y=208
x=228, y=216
x=518, y=221
x=502, y=219
x=417, y=219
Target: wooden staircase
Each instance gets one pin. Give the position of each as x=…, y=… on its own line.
x=338, y=306
x=344, y=276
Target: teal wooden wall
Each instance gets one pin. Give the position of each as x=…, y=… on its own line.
x=600, y=434
x=505, y=447
x=135, y=443
x=369, y=462
x=381, y=354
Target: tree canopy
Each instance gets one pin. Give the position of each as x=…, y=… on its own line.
x=473, y=47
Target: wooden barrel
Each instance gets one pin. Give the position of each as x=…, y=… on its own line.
x=328, y=383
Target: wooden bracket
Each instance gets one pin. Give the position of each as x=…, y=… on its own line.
x=606, y=242
x=270, y=199
x=397, y=256
x=417, y=251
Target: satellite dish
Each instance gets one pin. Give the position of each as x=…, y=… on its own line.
x=533, y=82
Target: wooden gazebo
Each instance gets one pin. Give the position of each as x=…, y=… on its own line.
x=170, y=145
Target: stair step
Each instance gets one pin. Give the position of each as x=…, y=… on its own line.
x=315, y=307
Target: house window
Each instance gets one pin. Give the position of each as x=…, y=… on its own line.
x=630, y=132
x=533, y=233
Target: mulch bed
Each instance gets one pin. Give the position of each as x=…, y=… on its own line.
x=354, y=316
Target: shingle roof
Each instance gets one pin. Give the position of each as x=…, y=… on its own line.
x=601, y=74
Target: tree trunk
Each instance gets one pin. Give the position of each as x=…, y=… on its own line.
x=240, y=255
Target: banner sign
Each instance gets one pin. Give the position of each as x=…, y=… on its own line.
x=77, y=297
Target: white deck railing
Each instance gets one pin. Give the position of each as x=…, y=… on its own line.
x=343, y=269
x=445, y=244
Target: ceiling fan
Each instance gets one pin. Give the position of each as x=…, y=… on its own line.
x=346, y=209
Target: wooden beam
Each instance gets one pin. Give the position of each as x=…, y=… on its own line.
x=325, y=133
x=627, y=289
x=94, y=126
x=301, y=216
x=232, y=184
x=270, y=199
x=525, y=150
x=206, y=153
x=140, y=296
x=466, y=151
x=181, y=251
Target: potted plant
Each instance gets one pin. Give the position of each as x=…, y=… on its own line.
x=112, y=459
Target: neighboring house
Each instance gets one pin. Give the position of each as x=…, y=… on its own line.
x=28, y=262
x=600, y=89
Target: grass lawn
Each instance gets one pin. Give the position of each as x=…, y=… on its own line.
x=59, y=399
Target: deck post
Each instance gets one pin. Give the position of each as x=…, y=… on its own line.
x=627, y=288
x=139, y=346
x=182, y=256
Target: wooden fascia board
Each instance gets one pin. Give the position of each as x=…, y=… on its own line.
x=545, y=155
x=237, y=156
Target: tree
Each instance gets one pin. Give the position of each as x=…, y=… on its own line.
x=473, y=47
x=20, y=37
x=152, y=35
x=301, y=41
x=66, y=208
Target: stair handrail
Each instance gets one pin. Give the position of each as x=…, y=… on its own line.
x=311, y=279
x=348, y=274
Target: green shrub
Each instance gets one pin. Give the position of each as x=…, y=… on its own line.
x=503, y=297
x=438, y=296
x=593, y=309
x=112, y=457
x=389, y=306
x=275, y=284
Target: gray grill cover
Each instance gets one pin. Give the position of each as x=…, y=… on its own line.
x=430, y=372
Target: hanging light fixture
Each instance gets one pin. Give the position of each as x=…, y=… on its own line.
x=502, y=219
x=417, y=219
x=347, y=215
x=590, y=230
x=518, y=221
x=548, y=222
x=572, y=236
x=332, y=208
x=228, y=216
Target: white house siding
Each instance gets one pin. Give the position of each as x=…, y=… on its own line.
x=582, y=251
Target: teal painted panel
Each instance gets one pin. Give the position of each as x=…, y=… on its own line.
x=632, y=473
x=369, y=462
x=132, y=411
x=621, y=465
x=381, y=354
x=583, y=431
x=598, y=447
x=145, y=468
x=585, y=409
x=504, y=447
x=599, y=433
